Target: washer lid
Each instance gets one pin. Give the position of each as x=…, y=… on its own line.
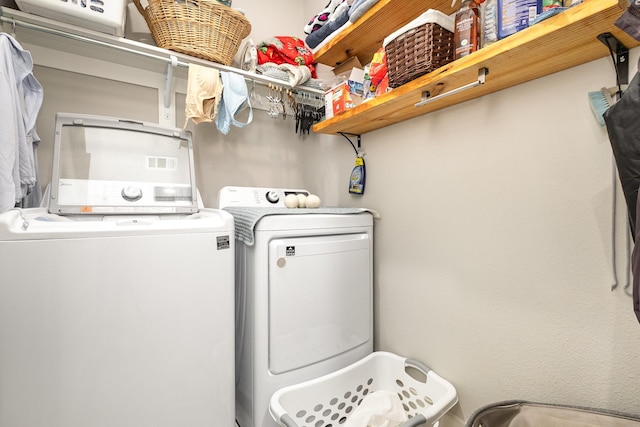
x=106, y=165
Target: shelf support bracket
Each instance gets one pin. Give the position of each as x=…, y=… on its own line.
x=358, y=150
x=621, y=60
x=426, y=95
x=168, y=85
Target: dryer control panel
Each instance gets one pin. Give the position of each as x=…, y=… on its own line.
x=255, y=197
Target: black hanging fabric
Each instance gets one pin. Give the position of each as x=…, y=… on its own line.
x=623, y=126
x=635, y=268
x=629, y=21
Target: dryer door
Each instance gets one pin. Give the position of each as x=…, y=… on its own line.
x=320, y=298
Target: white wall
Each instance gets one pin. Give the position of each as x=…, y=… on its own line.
x=493, y=253
x=273, y=18
x=494, y=250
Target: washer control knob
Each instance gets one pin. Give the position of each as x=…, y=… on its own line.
x=131, y=193
x=272, y=197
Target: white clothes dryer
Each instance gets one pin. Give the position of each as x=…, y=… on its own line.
x=304, y=294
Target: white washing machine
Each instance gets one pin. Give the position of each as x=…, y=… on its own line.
x=304, y=294
x=116, y=303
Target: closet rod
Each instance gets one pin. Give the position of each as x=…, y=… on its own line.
x=265, y=80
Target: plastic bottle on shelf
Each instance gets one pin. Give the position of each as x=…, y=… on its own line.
x=489, y=19
x=466, y=33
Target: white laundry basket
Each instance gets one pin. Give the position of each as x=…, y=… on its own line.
x=329, y=400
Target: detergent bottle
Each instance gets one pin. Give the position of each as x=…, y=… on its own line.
x=466, y=33
x=356, y=183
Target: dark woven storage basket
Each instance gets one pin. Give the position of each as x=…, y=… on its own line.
x=202, y=28
x=418, y=52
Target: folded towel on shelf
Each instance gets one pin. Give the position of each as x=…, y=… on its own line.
x=359, y=8
x=298, y=74
x=204, y=90
x=235, y=98
x=356, y=4
x=330, y=37
x=315, y=38
x=382, y=408
x=272, y=70
x=286, y=50
x=344, y=7
x=319, y=20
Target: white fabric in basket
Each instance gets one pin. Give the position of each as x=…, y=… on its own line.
x=381, y=408
x=431, y=16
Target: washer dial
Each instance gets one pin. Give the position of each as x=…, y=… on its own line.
x=131, y=193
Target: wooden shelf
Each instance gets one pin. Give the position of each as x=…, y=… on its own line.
x=365, y=36
x=555, y=44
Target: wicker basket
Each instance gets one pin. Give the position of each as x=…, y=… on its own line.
x=418, y=52
x=202, y=28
